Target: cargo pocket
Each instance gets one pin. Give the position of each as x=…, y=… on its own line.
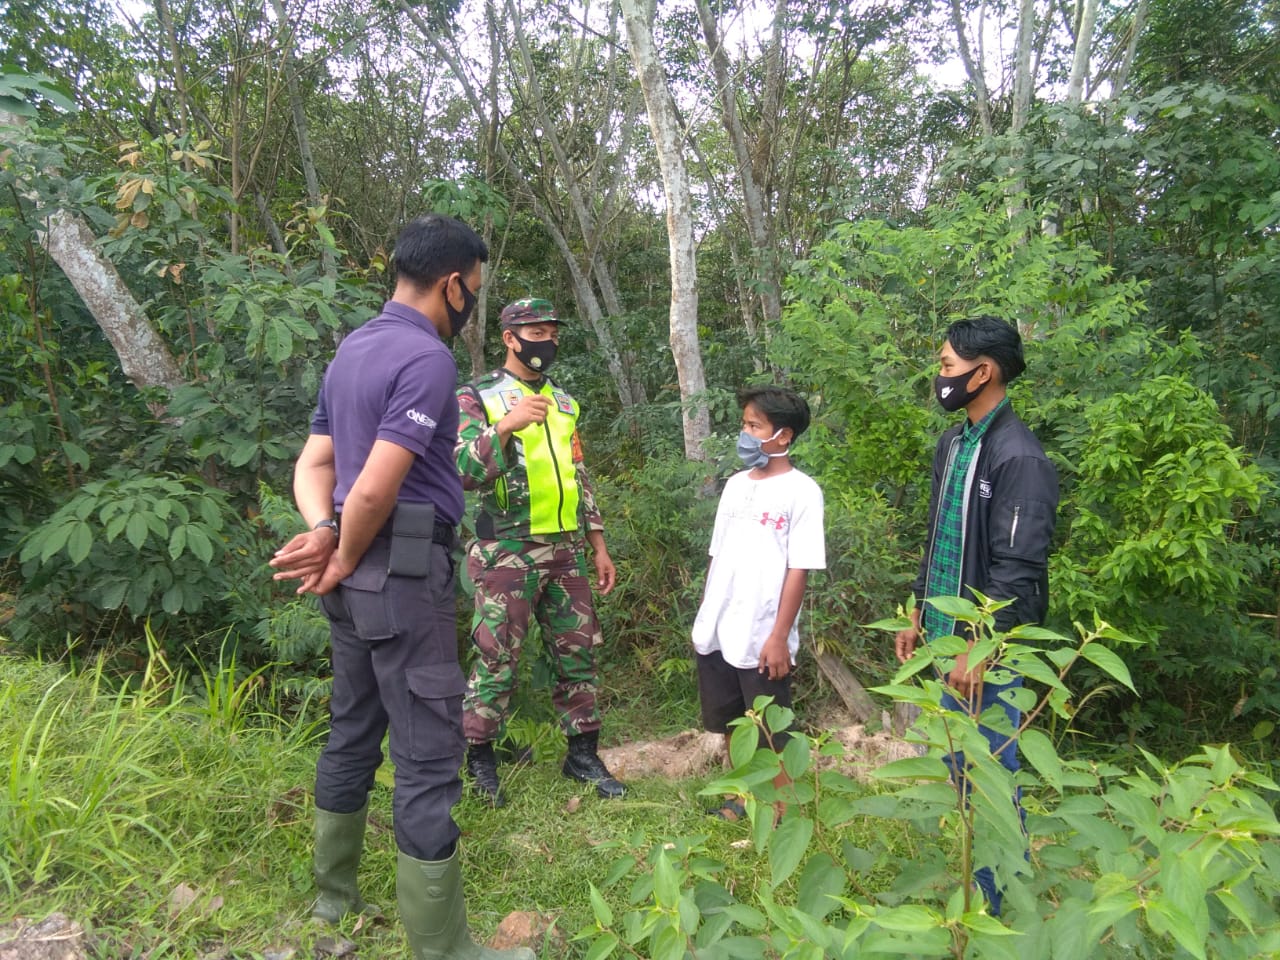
x=368, y=604
x=435, y=705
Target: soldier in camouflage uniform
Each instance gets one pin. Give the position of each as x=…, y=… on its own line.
x=518, y=444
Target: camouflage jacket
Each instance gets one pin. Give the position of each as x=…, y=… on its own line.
x=535, y=487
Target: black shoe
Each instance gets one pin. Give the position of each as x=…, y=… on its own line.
x=584, y=765
x=483, y=768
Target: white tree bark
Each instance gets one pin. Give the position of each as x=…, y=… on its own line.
x=764, y=260
x=669, y=139
x=1023, y=81
x=1121, y=77
x=1080, y=58
x=973, y=70
x=628, y=393
x=144, y=356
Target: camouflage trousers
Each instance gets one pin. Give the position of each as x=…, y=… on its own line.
x=516, y=580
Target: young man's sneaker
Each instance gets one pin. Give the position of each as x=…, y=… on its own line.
x=583, y=764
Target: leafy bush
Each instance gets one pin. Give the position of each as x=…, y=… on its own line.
x=1166, y=859
x=135, y=547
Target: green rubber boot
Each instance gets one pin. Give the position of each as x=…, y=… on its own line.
x=339, y=843
x=434, y=912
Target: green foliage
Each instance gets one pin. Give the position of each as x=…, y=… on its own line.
x=1114, y=862
x=1154, y=491
x=145, y=546
x=659, y=518
x=111, y=796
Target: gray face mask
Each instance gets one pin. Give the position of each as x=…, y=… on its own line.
x=750, y=449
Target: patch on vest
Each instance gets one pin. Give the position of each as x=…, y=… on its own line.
x=984, y=489
x=563, y=401
x=510, y=398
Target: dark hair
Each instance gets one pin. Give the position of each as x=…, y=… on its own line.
x=432, y=246
x=992, y=337
x=782, y=407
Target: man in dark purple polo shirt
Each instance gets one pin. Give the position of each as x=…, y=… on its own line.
x=377, y=486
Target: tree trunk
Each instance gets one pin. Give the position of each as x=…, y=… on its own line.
x=1080, y=58
x=852, y=693
x=144, y=355
x=763, y=260
x=595, y=316
x=974, y=70
x=669, y=141
x=296, y=106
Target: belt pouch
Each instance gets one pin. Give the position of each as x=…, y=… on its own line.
x=411, y=540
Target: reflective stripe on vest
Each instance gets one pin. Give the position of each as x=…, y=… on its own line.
x=544, y=451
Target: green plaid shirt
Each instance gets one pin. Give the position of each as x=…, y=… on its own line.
x=946, y=560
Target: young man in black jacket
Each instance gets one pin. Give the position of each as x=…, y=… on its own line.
x=992, y=508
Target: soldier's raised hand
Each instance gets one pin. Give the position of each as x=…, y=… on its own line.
x=531, y=408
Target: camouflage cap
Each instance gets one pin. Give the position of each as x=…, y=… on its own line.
x=527, y=311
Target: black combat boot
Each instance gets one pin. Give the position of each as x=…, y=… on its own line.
x=584, y=764
x=482, y=765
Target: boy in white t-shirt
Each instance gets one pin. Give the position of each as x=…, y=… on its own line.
x=768, y=535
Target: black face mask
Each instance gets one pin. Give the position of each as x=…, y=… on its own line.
x=537, y=355
x=952, y=393
x=458, y=318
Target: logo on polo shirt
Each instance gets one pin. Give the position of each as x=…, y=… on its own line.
x=421, y=418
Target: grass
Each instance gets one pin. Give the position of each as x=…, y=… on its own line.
x=117, y=801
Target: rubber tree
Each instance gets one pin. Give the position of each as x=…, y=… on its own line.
x=669, y=140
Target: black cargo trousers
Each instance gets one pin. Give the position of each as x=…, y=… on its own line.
x=395, y=666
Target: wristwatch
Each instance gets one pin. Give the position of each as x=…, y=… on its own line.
x=331, y=524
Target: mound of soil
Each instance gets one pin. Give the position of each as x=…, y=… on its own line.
x=693, y=753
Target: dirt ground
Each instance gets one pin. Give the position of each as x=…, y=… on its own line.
x=693, y=753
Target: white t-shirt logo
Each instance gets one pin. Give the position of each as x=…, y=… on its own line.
x=779, y=522
x=421, y=418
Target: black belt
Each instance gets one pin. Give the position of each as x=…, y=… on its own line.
x=442, y=532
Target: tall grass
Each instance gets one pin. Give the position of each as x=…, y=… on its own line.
x=172, y=816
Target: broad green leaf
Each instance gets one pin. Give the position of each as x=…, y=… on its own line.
x=795, y=757
x=601, y=910
x=602, y=947
x=909, y=919
x=172, y=599
x=1039, y=752
x=136, y=530
x=912, y=768
x=787, y=847
x=1166, y=919
x=54, y=540
x=689, y=914
x=621, y=867
x=1107, y=661
x=957, y=607
x=668, y=944
x=199, y=543
x=746, y=916
x=743, y=743
x=112, y=594
x=177, y=542
x=76, y=454
x=79, y=543
x=666, y=885
x=821, y=884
